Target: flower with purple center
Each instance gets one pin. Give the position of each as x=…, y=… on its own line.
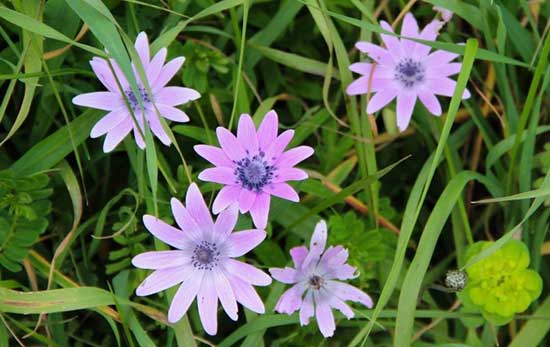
x=406, y=70
x=317, y=286
x=253, y=166
x=119, y=122
x=203, y=263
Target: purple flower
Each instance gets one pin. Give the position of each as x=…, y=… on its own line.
x=315, y=287
x=253, y=166
x=119, y=122
x=203, y=263
x=406, y=70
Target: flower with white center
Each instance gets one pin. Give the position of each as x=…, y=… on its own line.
x=253, y=166
x=406, y=70
x=317, y=286
x=118, y=123
x=203, y=264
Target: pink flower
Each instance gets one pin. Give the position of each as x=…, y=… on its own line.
x=446, y=15
x=253, y=166
x=203, y=263
x=316, y=274
x=119, y=122
x=406, y=70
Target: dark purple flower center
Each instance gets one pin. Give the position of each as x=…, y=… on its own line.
x=254, y=173
x=133, y=100
x=205, y=256
x=409, y=72
x=316, y=282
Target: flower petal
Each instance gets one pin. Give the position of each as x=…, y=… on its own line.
x=222, y=175
x=429, y=33
x=289, y=174
x=185, y=221
x=445, y=86
x=160, y=259
x=246, y=134
x=246, y=295
x=108, y=122
x=166, y=233
x=225, y=223
x=430, y=101
x=341, y=306
x=439, y=57
x=316, y=245
x=214, y=155
x=207, y=302
x=173, y=113
x=157, y=128
x=294, y=156
x=138, y=138
x=444, y=70
x=306, y=310
x=279, y=145
x=409, y=29
x=345, y=292
x=154, y=69
x=242, y=242
x=260, y=210
x=283, y=191
x=267, y=132
x=298, y=255
x=246, y=200
x=107, y=101
x=381, y=99
x=197, y=208
x=377, y=53
x=163, y=279
x=229, y=144
x=117, y=134
x=247, y=272
x=225, y=294
x=142, y=48
x=168, y=72
x=291, y=300
x=226, y=196
x=104, y=74
x=185, y=296
x=392, y=43
x=173, y=96
x=405, y=107
x=286, y=275
x=325, y=318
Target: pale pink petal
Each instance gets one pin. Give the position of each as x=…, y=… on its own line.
x=316, y=245
x=334, y=256
x=242, y=242
x=409, y=29
x=361, y=85
x=246, y=134
x=342, y=272
x=185, y=296
x=117, y=134
x=444, y=70
x=230, y=145
x=381, y=99
x=342, y=307
x=298, y=255
x=163, y=279
x=184, y=220
x=222, y=175
x=167, y=72
x=289, y=174
x=247, y=273
x=430, y=101
x=291, y=299
x=445, y=86
x=119, y=75
x=226, y=196
x=142, y=48
x=429, y=33
x=392, y=43
x=207, y=302
x=246, y=200
x=225, y=223
x=139, y=139
x=404, y=110
x=173, y=96
x=107, y=101
x=154, y=69
x=246, y=295
x=439, y=57
x=294, y=156
x=377, y=53
x=225, y=294
x=283, y=191
x=260, y=210
x=104, y=74
x=361, y=68
x=279, y=145
x=325, y=318
x=197, y=208
x=167, y=233
x=160, y=259
x=214, y=155
x=345, y=292
x=286, y=275
x=108, y=122
x=306, y=310
x=267, y=132
x=158, y=129
x=172, y=113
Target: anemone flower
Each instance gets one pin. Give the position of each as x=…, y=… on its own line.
x=406, y=70
x=253, y=166
x=203, y=263
x=119, y=122
x=317, y=286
